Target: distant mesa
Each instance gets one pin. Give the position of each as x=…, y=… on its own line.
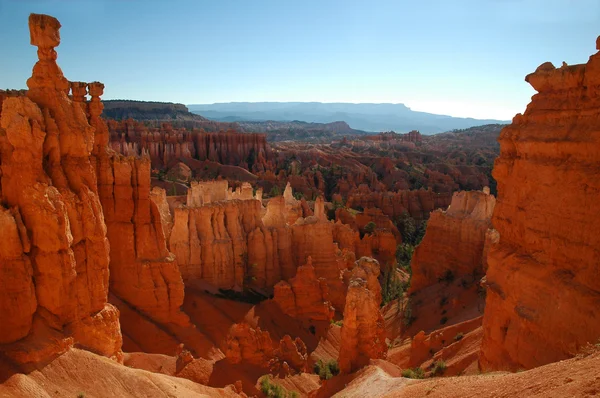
x=154, y=114
x=147, y=110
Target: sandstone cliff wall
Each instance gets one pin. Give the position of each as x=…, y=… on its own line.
x=236, y=244
x=305, y=296
x=166, y=143
x=543, y=276
x=417, y=203
x=143, y=272
x=454, y=240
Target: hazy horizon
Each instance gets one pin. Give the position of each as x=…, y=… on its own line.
x=462, y=59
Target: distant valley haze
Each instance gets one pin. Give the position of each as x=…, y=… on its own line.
x=369, y=117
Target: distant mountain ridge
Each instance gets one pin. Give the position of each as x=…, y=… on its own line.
x=363, y=116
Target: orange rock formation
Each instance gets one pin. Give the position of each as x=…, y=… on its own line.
x=363, y=332
x=454, y=241
x=417, y=203
x=543, y=285
x=55, y=251
x=229, y=245
x=305, y=296
x=165, y=144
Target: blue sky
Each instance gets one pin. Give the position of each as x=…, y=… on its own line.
x=462, y=58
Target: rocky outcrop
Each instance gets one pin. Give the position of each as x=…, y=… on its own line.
x=205, y=192
x=246, y=344
x=159, y=197
x=453, y=245
x=166, y=143
x=293, y=206
x=304, y=296
x=252, y=346
x=363, y=331
x=290, y=357
x=229, y=245
x=54, y=251
x=143, y=272
x=237, y=149
x=543, y=287
x=314, y=238
x=423, y=345
x=226, y=244
x=162, y=144
x=380, y=243
x=18, y=300
x=417, y=203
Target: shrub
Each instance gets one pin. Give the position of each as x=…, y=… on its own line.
x=275, y=191
x=416, y=373
x=439, y=367
x=331, y=214
x=406, y=226
x=334, y=367
x=392, y=287
x=298, y=195
x=337, y=204
x=408, y=317
x=80, y=395
x=326, y=370
x=273, y=390
x=443, y=320
x=370, y=227
x=458, y=336
x=412, y=231
x=338, y=323
x=420, y=232
x=404, y=253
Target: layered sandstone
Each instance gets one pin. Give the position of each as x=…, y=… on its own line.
x=313, y=237
x=237, y=149
x=166, y=143
x=453, y=245
x=417, y=203
x=230, y=244
x=363, y=331
x=162, y=145
x=304, y=296
x=247, y=344
x=226, y=244
x=143, y=271
x=55, y=251
x=543, y=286
x=289, y=357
